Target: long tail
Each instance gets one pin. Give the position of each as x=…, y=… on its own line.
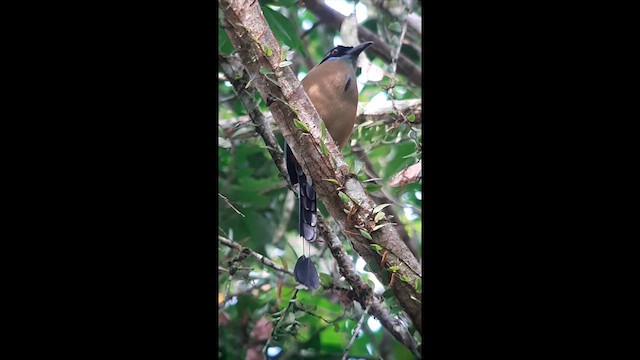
x=307, y=210
x=304, y=271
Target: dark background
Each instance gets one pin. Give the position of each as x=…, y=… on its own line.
x=117, y=156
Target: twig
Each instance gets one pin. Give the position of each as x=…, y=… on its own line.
x=344, y=311
x=282, y=317
x=223, y=232
x=369, y=114
x=228, y=98
x=355, y=333
x=264, y=260
x=383, y=198
x=247, y=290
x=294, y=349
x=394, y=64
x=233, y=69
x=364, y=294
x=251, y=22
x=306, y=32
x=380, y=48
x=228, y=203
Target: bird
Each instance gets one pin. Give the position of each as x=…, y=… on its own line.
x=332, y=88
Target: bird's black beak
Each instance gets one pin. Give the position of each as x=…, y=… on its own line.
x=359, y=48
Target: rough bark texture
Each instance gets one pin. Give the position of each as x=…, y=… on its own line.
x=380, y=113
x=362, y=292
x=251, y=37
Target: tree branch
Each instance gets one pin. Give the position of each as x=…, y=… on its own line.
x=362, y=292
x=232, y=67
x=372, y=114
x=355, y=333
x=382, y=198
x=251, y=37
x=264, y=260
x=379, y=48
x=395, y=8
x=282, y=317
x=228, y=203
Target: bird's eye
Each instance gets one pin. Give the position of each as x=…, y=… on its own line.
x=334, y=51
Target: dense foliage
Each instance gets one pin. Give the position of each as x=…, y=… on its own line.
x=258, y=211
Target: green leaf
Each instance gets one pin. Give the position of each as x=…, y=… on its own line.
x=325, y=280
x=365, y=234
x=405, y=279
x=388, y=294
x=413, y=154
x=380, y=207
x=323, y=128
x=336, y=327
x=376, y=247
x=291, y=317
x=394, y=268
x=358, y=167
x=343, y=197
x=418, y=285
x=381, y=225
x=334, y=181
x=267, y=50
x=395, y=27
x=283, y=52
x=373, y=187
x=285, y=63
x=411, y=117
x=379, y=216
x=370, y=283
x=265, y=71
x=284, y=3
x=224, y=44
x=374, y=266
x=323, y=147
x=310, y=307
x=300, y=125
x=283, y=29
x=272, y=81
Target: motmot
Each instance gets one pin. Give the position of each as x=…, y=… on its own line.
x=332, y=88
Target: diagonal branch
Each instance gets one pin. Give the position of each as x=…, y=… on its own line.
x=370, y=113
x=264, y=260
x=229, y=203
x=365, y=295
x=383, y=198
x=362, y=292
x=356, y=331
x=232, y=68
x=259, y=51
x=334, y=19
